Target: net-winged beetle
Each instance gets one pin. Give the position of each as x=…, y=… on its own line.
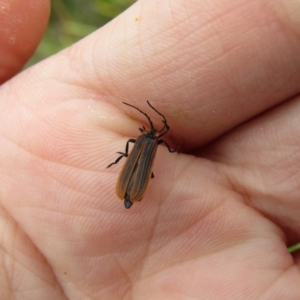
x=137, y=170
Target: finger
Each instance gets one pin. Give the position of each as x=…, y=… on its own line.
x=210, y=67
x=262, y=161
x=22, y=26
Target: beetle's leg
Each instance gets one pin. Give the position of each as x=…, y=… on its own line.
x=142, y=129
x=122, y=153
x=117, y=160
x=126, y=149
x=170, y=150
x=165, y=129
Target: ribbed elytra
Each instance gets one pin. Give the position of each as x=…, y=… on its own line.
x=137, y=170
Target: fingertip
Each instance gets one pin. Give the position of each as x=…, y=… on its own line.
x=24, y=23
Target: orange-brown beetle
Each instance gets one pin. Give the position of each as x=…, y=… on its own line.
x=137, y=170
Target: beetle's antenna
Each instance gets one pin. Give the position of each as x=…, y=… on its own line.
x=151, y=124
x=164, y=118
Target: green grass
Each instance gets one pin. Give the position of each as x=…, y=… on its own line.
x=71, y=20
x=294, y=248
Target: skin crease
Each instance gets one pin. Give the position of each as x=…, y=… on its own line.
x=217, y=218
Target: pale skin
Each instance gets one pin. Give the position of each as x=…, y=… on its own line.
x=217, y=218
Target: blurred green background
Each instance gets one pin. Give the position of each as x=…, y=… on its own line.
x=72, y=20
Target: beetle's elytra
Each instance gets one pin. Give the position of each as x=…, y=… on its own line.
x=137, y=170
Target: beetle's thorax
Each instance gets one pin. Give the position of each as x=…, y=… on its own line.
x=152, y=134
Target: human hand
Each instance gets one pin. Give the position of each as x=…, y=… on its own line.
x=212, y=225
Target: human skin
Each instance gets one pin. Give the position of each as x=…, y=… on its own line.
x=217, y=218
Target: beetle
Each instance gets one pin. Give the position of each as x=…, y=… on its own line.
x=137, y=170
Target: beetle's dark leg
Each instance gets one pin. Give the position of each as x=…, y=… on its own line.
x=122, y=153
x=142, y=129
x=117, y=160
x=127, y=145
x=170, y=150
x=152, y=175
x=165, y=129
